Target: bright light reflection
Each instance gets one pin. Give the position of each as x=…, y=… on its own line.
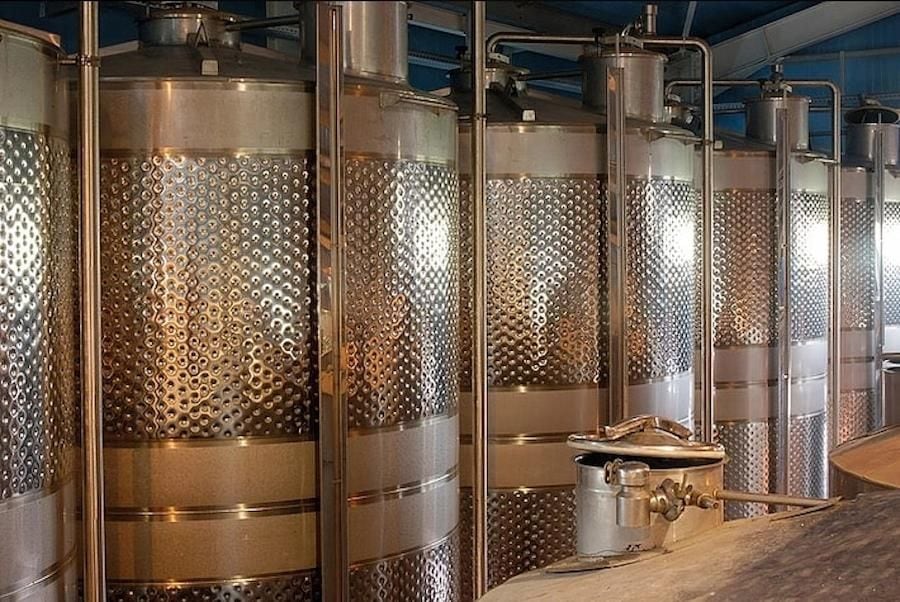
x=814, y=244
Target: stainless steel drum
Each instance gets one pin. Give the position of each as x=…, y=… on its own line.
x=859, y=411
x=642, y=484
x=746, y=318
x=38, y=340
x=401, y=220
x=870, y=463
x=208, y=351
x=547, y=307
x=209, y=303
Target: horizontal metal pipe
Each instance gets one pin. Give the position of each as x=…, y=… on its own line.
x=263, y=23
x=550, y=74
x=771, y=498
x=716, y=82
x=537, y=38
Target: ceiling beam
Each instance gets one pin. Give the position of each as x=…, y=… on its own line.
x=742, y=55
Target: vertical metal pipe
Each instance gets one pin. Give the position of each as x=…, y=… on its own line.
x=707, y=337
x=878, y=317
x=333, y=535
x=783, y=219
x=479, y=328
x=91, y=376
x=834, y=380
x=617, y=245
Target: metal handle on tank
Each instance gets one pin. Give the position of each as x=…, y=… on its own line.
x=643, y=423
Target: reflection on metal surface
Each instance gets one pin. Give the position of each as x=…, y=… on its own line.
x=300, y=587
x=38, y=334
x=175, y=514
x=401, y=311
x=209, y=299
x=429, y=573
x=858, y=303
x=745, y=310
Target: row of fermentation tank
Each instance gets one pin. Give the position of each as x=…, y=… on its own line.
x=211, y=320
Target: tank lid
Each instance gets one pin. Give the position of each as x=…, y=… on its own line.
x=187, y=24
x=498, y=71
x=872, y=112
x=606, y=48
x=24, y=31
x=647, y=437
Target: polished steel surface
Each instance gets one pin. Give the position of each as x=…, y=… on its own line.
x=539, y=288
x=401, y=228
x=861, y=142
x=784, y=291
x=616, y=245
x=187, y=25
x=642, y=80
x=299, y=587
x=858, y=301
x=429, y=573
x=38, y=371
x=747, y=329
x=705, y=232
x=598, y=525
x=211, y=412
x=891, y=383
x=891, y=281
x=374, y=35
x=762, y=119
x=207, y=296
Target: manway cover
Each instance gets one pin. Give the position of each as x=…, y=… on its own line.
x=649, y=437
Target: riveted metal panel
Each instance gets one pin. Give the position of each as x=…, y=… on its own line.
x=401, y=220
x=891, y=263
x=208, y=351
x=429, y=574
x=299, y=587
x=207, y=297
x=857, y=414
x=746, y=325
x=744, y=300
x=38, y=369
x=750, y=465
x=402, y=291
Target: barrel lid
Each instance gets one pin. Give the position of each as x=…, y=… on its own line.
x=872, y=113
x=39, y=35
x=649, y=437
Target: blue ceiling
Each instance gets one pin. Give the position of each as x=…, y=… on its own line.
x=712, y=20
